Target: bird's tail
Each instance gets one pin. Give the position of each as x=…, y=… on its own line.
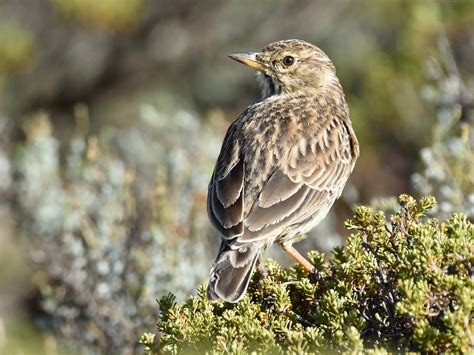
x=231, y=272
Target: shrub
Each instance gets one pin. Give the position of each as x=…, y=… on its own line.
x=104, y=239
x=403, y=284
x=447, y=164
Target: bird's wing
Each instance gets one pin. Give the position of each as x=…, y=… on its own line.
x=225, y=198
x=308, y=178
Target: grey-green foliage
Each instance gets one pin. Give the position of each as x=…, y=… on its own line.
x=447, y=164
x=104, y=242
x=400, y=284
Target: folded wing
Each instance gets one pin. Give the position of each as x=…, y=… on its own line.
x=302, y=186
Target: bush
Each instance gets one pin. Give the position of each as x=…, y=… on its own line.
x=399, y=285
x=447, y=163
x=104, y=239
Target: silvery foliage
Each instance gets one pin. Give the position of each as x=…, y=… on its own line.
x=107, y=240
x=447, y=165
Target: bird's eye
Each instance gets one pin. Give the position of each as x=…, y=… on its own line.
x=288, y=60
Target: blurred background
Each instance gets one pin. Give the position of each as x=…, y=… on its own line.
x=112, y=113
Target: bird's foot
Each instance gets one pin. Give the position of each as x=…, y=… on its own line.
x=315, y=276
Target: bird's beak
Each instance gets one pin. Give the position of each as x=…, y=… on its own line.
x=249, y=59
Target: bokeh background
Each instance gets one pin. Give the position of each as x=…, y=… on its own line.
x=112, y=114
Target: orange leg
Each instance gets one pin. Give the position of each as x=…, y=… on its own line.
x=299, y=258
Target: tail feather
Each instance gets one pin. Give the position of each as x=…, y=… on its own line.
x=231, y=272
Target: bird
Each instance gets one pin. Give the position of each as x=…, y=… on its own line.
x=283, y=162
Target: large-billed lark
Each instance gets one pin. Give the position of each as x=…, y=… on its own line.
x=283, y=162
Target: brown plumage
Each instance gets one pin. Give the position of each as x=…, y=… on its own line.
x=283, y=162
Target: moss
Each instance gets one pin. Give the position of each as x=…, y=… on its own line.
x=400, y=284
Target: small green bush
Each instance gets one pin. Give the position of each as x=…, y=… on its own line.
x=405, y=284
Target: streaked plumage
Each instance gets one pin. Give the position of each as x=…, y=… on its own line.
x=283, y=162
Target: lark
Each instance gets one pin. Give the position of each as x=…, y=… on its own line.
x=283, y=162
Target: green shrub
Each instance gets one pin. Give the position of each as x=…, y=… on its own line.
x=399, y=285
x=17, y=48
x=446, y=169
x=105, y=239
x=112, y=15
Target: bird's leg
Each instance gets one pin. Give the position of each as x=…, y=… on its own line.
x=262, y=274
x=261, y=269
x=299, y=258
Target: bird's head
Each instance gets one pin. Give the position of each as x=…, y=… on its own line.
x=290, y=67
